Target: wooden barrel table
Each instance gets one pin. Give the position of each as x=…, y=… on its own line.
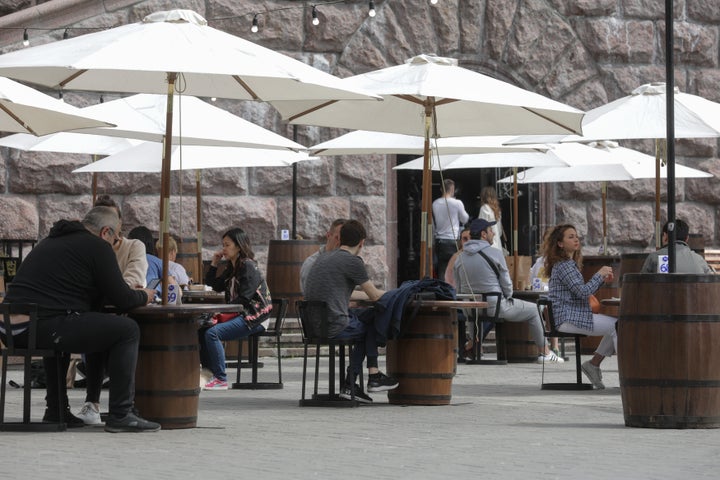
x=285, y=258
x=168, y=368
x=668, y=359
x=423, y=358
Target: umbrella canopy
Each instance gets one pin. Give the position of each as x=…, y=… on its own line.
x=146, y=157
x=68, y=143
x=367, y=142
x=24, y=109
x=643, y=115
x=433, y=97
x=622, y=164
x=169, y=51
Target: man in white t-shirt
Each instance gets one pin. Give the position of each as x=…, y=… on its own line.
x=448, y=214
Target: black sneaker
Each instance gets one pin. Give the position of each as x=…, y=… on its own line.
x=379, y=382
x=360, y=396
x=130, y=423
x=51, y=416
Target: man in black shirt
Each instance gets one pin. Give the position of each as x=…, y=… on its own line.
x=70, y=275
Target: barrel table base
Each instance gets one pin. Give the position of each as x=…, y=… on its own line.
x=423, y=358
x=668, y=359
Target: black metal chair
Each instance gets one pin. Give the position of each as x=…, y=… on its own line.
x=479, y=316
x=280, y=306
x=545, y=309
x=314, y=322
x=12, y=349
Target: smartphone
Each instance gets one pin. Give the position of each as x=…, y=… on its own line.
x=153, y=284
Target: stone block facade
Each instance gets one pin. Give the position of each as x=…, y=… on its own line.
x=583, y=53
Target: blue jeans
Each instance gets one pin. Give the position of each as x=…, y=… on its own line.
x=361, y=327
x=212, y=353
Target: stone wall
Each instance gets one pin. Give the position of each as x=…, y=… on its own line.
x=581, y=52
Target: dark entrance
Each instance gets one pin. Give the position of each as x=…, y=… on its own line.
x=468, y=183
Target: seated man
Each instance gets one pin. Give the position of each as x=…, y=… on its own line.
x=71, y=274
x=333, y=242
x=686, y=261
x=482, y=269
x=332, y=279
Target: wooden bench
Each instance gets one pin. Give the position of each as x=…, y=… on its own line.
x=712, y=257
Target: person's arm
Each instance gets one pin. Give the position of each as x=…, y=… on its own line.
x=110, y=281
x=247, y=278
x=449, y=271
x=373, y=293
x=650, y=265
x=462, y=215
x=571, y=277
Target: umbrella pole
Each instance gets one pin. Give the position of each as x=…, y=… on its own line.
x=516, y=257
x=165, y=185
x=426, y=220
x=603, y=195
x=198, y=220
x=659, y=154
x=94, y=183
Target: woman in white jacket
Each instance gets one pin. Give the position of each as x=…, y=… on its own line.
x=490, y=211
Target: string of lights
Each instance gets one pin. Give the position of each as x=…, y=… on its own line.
x=315, y=8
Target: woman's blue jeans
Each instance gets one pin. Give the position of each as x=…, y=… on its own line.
x=212, y=353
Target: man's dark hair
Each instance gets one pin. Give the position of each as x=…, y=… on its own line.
x=352, y=233
x=107, y=201
x=448, y=184
x=682, y=230
x=146, y=237
x=337, y=222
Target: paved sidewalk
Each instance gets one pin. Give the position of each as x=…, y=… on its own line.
x=499, y=425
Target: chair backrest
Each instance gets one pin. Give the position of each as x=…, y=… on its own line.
x=280, y=306
x=313, y=318
x=544, y=306
x=487, y=296
x=9, y=309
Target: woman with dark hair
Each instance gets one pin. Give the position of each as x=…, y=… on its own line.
x=243, y=284
x=154, y=269
x=570, y=296
x=490, y=211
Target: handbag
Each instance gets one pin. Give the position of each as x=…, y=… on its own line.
x=594, y=304
x=224, y=317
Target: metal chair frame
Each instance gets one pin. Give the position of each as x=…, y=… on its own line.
x=481, y=316
x=28, y=352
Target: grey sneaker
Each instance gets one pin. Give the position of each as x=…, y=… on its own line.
x=130, y=423
x=90, y=414
x=593, y=374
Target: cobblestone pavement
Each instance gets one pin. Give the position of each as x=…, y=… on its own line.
x=498, y=425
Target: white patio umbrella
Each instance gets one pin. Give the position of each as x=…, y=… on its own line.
x=623, y=164
x=169, y=51
x=642, y=115
x=24, y=109
x=361, y=142
x=146, y=158
x=432, y=97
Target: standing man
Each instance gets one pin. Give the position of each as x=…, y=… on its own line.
x=448, y=213
x=686, y=261
x=482, y=269
x=332, y=280
x=71, y=275
x=332, y=242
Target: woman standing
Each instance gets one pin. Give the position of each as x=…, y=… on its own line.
x=570, y=297
x=490, y=211
x=244, y=285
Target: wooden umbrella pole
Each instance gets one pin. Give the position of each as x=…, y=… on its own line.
x=198, y=219
x=516, y=257
x=165, y=186
x=94, y=182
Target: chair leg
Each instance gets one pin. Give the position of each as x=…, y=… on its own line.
x=279, y=359
x=317, y=368
x=302, y=398
x=3, y=386
x=578, y=361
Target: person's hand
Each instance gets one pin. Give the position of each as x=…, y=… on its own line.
x=150, y=295
x=217, y=256
x=606, y=273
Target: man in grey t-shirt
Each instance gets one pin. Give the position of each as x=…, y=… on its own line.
x=333, y=242
x=686, y=261
x=332, y=279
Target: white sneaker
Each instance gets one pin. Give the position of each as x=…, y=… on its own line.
x=594, y=374
x=550, y=357
x=90, y=414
